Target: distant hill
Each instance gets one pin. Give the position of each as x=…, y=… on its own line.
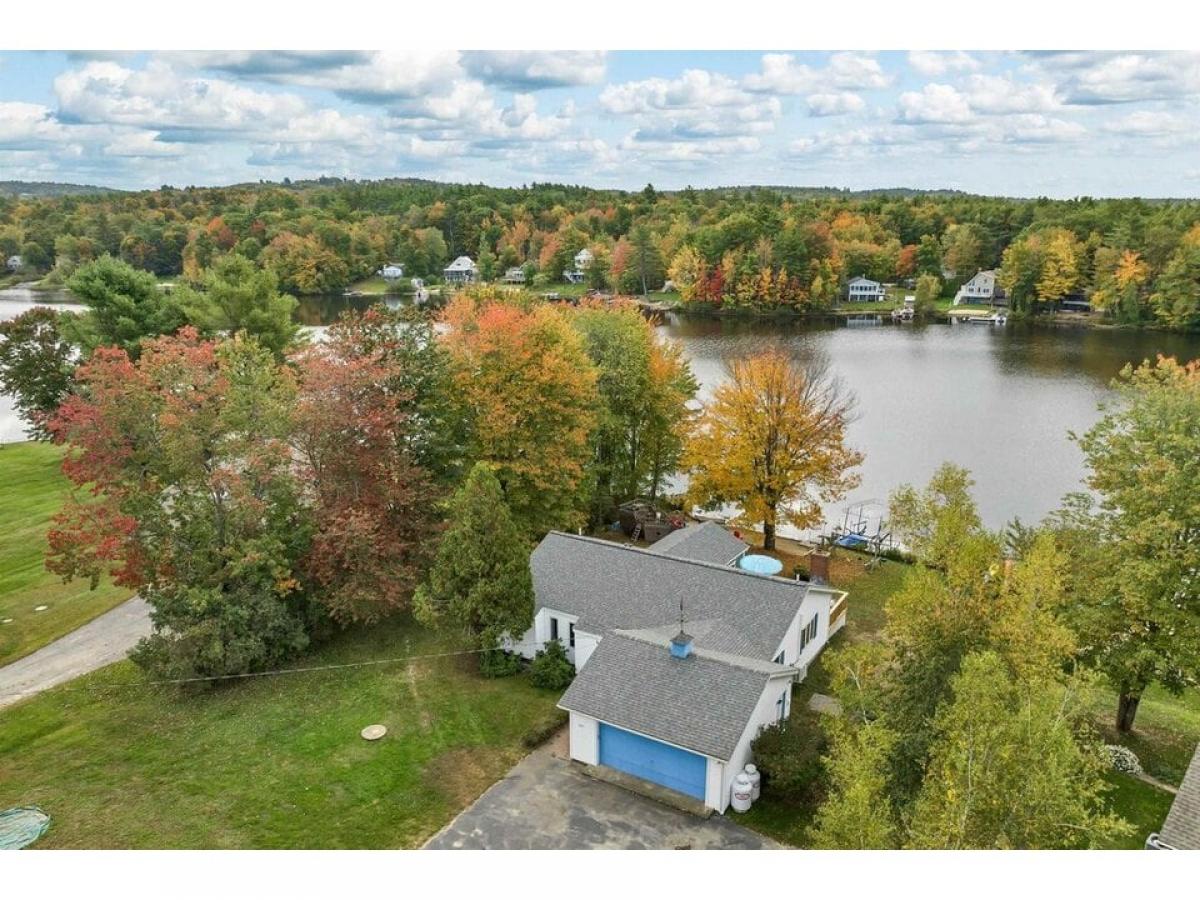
x=50, y=189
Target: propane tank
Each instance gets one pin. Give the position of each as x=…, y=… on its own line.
x=742, y=793
x=755, y=780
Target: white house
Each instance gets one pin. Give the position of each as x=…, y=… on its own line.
x=671, y=696
x=514, y=275
x=980, y=289
x=392, y=271
x=583, y=259
x=14, y=263
x=864, y=290
x=462, y=271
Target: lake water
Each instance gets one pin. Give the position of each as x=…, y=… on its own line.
x=999, y=401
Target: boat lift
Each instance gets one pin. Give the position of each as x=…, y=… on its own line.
x=864, y=527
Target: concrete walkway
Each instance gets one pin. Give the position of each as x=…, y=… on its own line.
x=106, y=639
x=547, y=803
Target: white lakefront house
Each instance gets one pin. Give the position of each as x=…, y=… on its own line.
x=675, y=699
x=864, y=290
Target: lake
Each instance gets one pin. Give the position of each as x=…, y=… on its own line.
x=997, y=400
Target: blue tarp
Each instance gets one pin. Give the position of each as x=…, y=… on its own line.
x=21, y=826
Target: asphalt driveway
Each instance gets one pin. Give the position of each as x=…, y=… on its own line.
x=106, y=639
x=546, y=803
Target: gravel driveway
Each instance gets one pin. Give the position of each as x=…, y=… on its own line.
x=106, y=639
x=546, y=803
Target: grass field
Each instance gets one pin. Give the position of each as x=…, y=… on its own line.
x=274, y=762
x=1165, y=736
x=31, y=491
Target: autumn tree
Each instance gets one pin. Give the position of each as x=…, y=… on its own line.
x=931, y=521
x=36, y=366
x=372, y=503
x=1137, y=606
x=530, y=393
x=857, y=814
x=1176, y=297
x=644, y=387
x=186, y=493
x=772, y=441
x=929, y=288
x=480, y=583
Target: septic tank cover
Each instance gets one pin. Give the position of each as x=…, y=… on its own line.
x=21, y=826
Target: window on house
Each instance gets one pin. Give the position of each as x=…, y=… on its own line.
x=781, y=707
x=553, y=628
x=571, y=633
x=779, y=658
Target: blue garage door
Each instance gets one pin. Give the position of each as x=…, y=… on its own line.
x=652, y=760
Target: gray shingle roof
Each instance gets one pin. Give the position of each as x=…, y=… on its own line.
x=610, y=586
x=706, y=542
x=1182, y=828
x=702, y=703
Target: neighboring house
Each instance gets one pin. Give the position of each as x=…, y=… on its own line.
x=1181, y=830
x=981, y=288
x=864, y=290
x=392, y=271
x=14, y=263
x=461, y=271
x=583, y=259
x=674, y=696
x=515, y=275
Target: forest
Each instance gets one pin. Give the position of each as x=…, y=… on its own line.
x=756, y=249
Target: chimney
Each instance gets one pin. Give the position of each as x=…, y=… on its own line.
x=681, y=645
x=818, y=567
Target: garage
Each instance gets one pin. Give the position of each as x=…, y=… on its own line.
x=643, y=757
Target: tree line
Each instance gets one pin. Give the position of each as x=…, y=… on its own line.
x=756, y=249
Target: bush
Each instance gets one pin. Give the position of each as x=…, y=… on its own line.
x=551, y=669
x=542, y=730
x=788, y=754
x=1122, y=759
x=498, y=664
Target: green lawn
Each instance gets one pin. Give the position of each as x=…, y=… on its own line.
x=274, y=762
x=376, y=284
x=31, y=490
x=1140, y=804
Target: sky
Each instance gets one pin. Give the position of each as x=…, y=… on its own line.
x=1059, y=124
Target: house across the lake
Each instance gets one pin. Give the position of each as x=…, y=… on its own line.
x=682, y=657
x=864, y=290
x=392, y=271
x=462, y=271
x=514, y=275
x=982, y=288
x=14, y=263
x=583, y=259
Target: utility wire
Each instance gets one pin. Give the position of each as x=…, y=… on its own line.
x=298, y=670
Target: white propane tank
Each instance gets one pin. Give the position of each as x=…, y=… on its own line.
x=755, y=780
x=742, y=793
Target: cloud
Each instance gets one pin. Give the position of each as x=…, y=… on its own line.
x=933, y=63
x=935, y=103
x=530, y=70
x=782, y=73
x=1096, y=79
x=270, y=65
x=698, y=105
x=835, y=104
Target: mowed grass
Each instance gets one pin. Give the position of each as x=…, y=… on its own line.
x=32, y=489
x=271, y=762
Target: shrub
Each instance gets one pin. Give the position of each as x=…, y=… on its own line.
x=543, y=729
x=788, y=754
x=551, y=669
x=1122, y=759
x=498, y=664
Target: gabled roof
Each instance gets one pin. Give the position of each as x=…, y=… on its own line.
x=462, y=264
x=706, y=542
x=701, y=703
x=862, y=279
x=1181, y=830
x=610, y=586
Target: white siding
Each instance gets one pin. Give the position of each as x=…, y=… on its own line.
x=714, y=784
x=584, y=645
x=535, y=639
x=585, y=739
x=765, y=712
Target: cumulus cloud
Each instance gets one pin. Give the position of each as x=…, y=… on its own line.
x=698, y=105
x=835, y=104
x=527, y=70
x=934, y=63
x=935, y=103
x=1096, y=79
x=783, y=73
